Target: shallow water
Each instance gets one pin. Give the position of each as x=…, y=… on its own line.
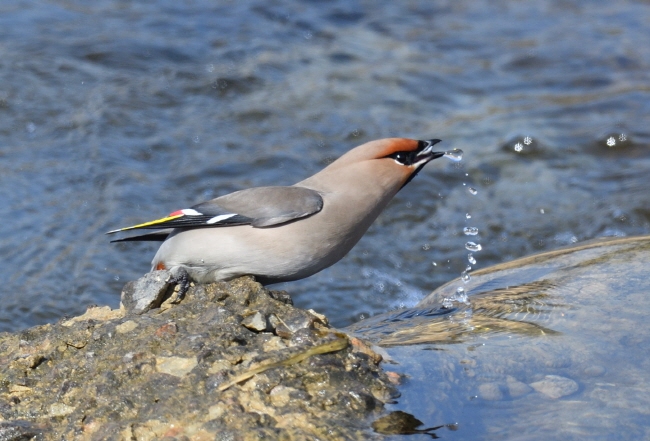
x=113, y=113
x=553, y=347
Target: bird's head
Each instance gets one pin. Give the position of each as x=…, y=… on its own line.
x=395, y=159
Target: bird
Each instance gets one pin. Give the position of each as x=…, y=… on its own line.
x=286, y=233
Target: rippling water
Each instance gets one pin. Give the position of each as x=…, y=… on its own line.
x=113, y=113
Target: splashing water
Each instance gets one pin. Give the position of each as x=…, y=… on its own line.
x=460, y=297
x=471, y=246
x=455, y=155
x=470, y=231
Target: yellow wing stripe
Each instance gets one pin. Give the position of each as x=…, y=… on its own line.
x=148, y=224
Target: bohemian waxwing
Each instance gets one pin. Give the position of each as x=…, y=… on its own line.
x=279, y=234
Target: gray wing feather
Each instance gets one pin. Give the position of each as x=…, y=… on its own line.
x=266, y=206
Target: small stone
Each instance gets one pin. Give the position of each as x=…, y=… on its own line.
x=282, y=331
x=394, y=377
x=281, y=296
x=273, y=344
x=517, y=388
x=17, y=389
x=147, y=292
x=219, y=366
x=217, y=410
x=126, y=327
x=321, y=318
x=167, y=330
x=281, y=395
x=555, y=386
x=177, y=366
x=255, y=322
x=594, y=371
x=490, y=391
x=60, y=409
x=99, y=313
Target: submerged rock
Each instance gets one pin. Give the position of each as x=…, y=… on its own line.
x=231, y=359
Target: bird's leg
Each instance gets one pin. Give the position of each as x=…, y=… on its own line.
x=181, y=278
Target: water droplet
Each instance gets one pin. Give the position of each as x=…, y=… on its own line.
x=541, y=210
x=31, y=127
x=471, y=259
x=611, y=142
x=426, y=247
x=434, y=264
x=461, y=295
x=471, y=246
x=210, y=68
x=622, y=137
x=196, y=139
x=455, y=155
x=465, y=277
x=518, y=147
x=468, y=216
x=308, y=35
x=116, y=278
x=472, y=190
x=468, y=268
x=470, y=231
x=528, y=140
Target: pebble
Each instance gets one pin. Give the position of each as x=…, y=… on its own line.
x=177, y=366
x=594, y=371
x=490, y=391
x=255, y=322
x=517, y=388
x=555, y=386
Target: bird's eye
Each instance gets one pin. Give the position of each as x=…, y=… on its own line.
x=404, y=158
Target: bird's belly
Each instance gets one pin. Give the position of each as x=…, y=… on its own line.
x=225, y=253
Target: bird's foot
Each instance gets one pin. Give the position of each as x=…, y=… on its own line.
x=181, y=278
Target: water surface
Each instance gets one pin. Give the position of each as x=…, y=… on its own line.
x=113, y=113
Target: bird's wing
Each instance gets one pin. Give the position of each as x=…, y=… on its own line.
x=154, y=236
x=258, y=207
x=268, y=206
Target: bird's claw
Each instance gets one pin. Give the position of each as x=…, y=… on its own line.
x=181, y=278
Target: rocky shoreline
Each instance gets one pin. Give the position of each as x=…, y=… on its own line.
x=230, y=360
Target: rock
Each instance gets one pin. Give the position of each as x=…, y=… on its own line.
x=177, y=366
x=594, y=371
x=255, y=322
x=517, y=388
x=554, y=386
x=147, y=292
x=191, y=371
x=490, y=391
x=60, y=410
x=126, y=327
